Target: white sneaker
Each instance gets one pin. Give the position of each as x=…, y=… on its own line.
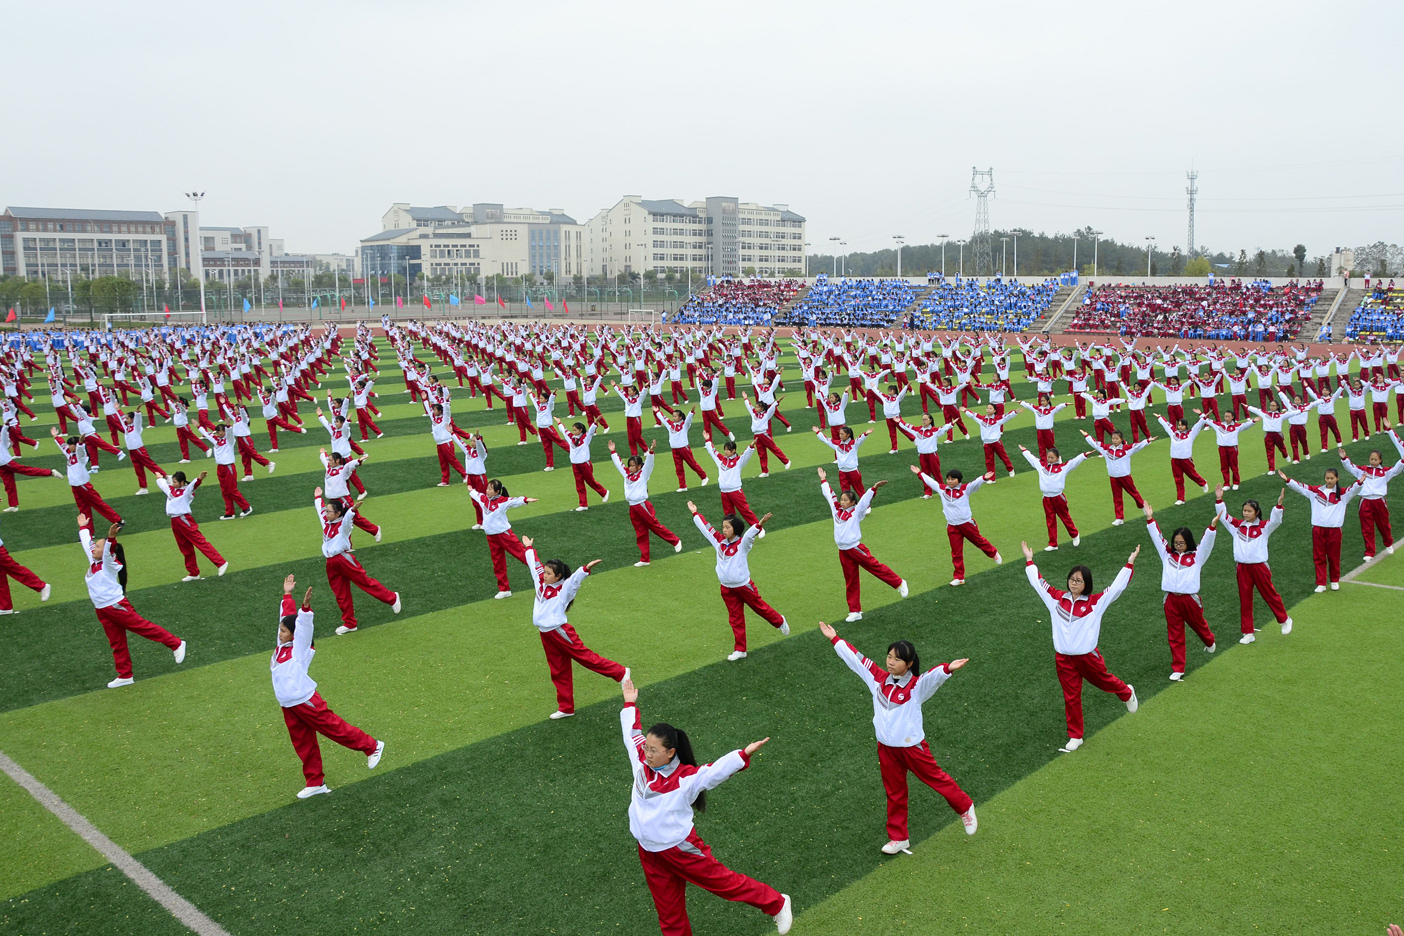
x=140, y=491
x=476, y=526
x=957, y=582
x=789, y=428
x=788, y=465
x=854, y=616
x=183, y=461
x=503, y=594
x=247, y=512
x=640, y=564
x=306, y=792
x=1050, y=549
x=971, y=823
x=343, y=629
x=605, y=499
x=1235, y=487
x=1118, y=522
x=180, y=653
x=1211, y=648
x=1176, y=677
x=731, y=436
x=1178, y=503
x=1072, y=745
x=1319, y=589
x=44, y=592
x=704, y=482
x=396, y=606
x=377, y=534
x=763, y=474
x=247, y=477
x=191, y=578
x=442, y=484
x=895, y=847
x=580, y=508
x=902, y=589
x=784, y=626
x=1287, y=626
x=1206, y=487
x=1335, y=586
x=1011, y=474
x=735, y=655
x=1132, y=703
x=272, y=451
x=680, y=491
x=271, y=466
x=1077, y=540
x=224, y=568
x=1247, y=639
x=1390, y=549
x=677, y=547
x=786, y=917
x=120, y=681
x=998, y=559
x=361, y=496
x=549, y=468
x=373, y=759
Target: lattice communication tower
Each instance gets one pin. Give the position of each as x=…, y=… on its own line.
x=982, y=187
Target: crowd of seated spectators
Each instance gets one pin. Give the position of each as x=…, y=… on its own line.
x=994, y=305
x=739, y=302
x=1380, y=317
x=873, y=303
x=1225, y=309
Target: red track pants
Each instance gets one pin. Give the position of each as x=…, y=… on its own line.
x=312, y=718
x=142, y=462
x=343, y=571
x=563, y=645
x=186, y=438
x=1055, y=509
x=7, y=476
x=585, y=478
x=1326, y=553
x=993, y=450
x=634, y=429
x=249, y=453
x=1374, y=514
x=852, y=481
x=764, y=444
x=670, y=871
x=189, y=539
x=895, y=762
x=448, y=458
x=860, y=557
x=234, y=499
x=958, y=534
x=737, y=601
x=711, y=420
x=90, y=502
x=500, y=546
x=1179, y=611
x=10, y=569
x=1125, y=485
x=683, y=457
x=116, y=620
x=1228, y=464
x=1257, y=575
x=1072, y=670
x=1180, y=468
x=645, y=521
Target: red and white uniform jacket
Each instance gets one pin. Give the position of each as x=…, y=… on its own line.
x=991, y=427
x=848, y=531
x=495, y=511
x=1180, y=575
x=729, y=467
x=1328, y=505
x=474, y=456
x=548, y=612
x=1118, y=457
x=660, y=806
x=1374, y=479
x=927, y=438
x=223, y=451
x=846, y=451
x=101, y=578
x=1043, y=415
x=1250, y=540
x=580, y=445
x=178, y=497
x=896, y=700
x=1077, y=622
x=732, y=568
x=677, y=430
x=438, y=425
x=635, y=482
x=1053, y=479
x=76, y=464
x=338, y=477
x=1182, y=443
x=1226, y=434
x=955, y=501
x=336, y=534
x=291, y=684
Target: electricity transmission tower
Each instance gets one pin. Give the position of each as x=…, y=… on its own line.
x=1192, y=191
x=982, y=187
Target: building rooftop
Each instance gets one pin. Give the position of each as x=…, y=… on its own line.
x=668, y=207
x=438, y=213
x=391, y=234
x=76, y=214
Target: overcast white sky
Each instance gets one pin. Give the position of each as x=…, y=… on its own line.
x=312, y=118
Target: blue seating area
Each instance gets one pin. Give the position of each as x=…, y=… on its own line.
x=992, y=305
x=872, y=303
x=1380, y=317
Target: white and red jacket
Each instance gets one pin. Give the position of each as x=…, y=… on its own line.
x=336, y=534
x=438, y=425
x=991, y=427
x=1118, y=457
x=1043, y=415
x=1226, y=434
x=1328, y=505
x=1182, y=443
x=660, y=805
x=77, y=464
x=848, y=531
x=101, y=578
x=495, y=511
x=548, y=612
x=291, y=684
x=955, y=501
x=927, y=438
x=1077, y=622
x=1374, y=479
x=896, y=699
x=635, y=482
x=580, y=445
x=223, y=450
x=178, y=498
x=732, y=568
x=337, y=478
x=729, y=467
x=1250, y=539
x=678, y=430
x=845, y=450
x=1180, y=575
x=1052, y=479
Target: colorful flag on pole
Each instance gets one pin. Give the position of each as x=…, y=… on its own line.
x=371, y=301
x=50, y=317
x=314, y=303
x=11, y=316
x=453, y=300
x=280, y=305
x=565, y=305
x=165, y=308
x=343, y=303
x=501, y=303
x=529, y=305
x=479, y=300
x=427, y=303
x=399, y=303
x=549, y=307
x=247, y=307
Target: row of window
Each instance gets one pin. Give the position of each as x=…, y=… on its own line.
x=90, y=227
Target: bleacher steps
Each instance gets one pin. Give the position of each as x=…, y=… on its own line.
x=1071, y=298
x=1339, y=316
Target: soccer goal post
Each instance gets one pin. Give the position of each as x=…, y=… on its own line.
x=643, y=316
x=113, y=320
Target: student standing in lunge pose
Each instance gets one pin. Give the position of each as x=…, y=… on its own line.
x=898, y=691
x=556, y=587
x=738, y=592
x=1118, y=458
x=1077, y=624
x=502, y=542
x=179, y=493
x=1179, y=579
x=578, y=445
x=1328, y=511
x=636, y=473
x=1052, y=482
x=1250, y=551
x=1182, y=436
x=304, y=711
x=114, y=611
x=668, y=786
x=343, y=569
x=678, y=429
x=960, y=523
x=729, y=465
x=848, y=511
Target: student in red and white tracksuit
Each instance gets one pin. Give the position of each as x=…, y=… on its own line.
x=556, y=587
x=441, y=428
x=1077, y=625
x=848, y=511
x=222, y=443
x=960, y=522
x=641, y=514
x=502, y=542
x=336, y=483
x=846, y=457
x=475, y=469
x=1182, y=436
x=1272, y=432
x=114, y=611
x=1182, y=562
x=678, y=429
x=760, y=428
x=1118, y=459
x=179, y=493
x=181, y=419
x=1250, y=550
x=892, y=412
x=87, y=498
x=668, y=784
x=304, y=711
x=343, y=569
x=1226, y=436
x=544, y=410
x=738, y=592
x=991, y=437
x=10, y=569
x=712, y=412
x=9, y=468
x=927, y=437
x=1101, y=412
x=578, y=444
x=729, y=465
x=1052, y=482
x=1374, y=480
x=141, y=460
x=1044, y=415
x=1355, y=397
x=1328, y=512
x=898, y=692
x=633, y=416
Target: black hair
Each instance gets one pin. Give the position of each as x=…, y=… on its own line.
x=847, y=429
x=289, y=621
x=634, y=460
x=120, y=554
x=578, y=427
x=178, y=477
x=850, y=492
x=729, y=446
x=1053, y=450
x=955, y=473
x=183, y=401
x=340, y=458
x=335, y=502
x=735, y=522
x=907, y=653
x=1086, y=579
x=1257, y=509
x=677, y=740
x=72, y=440
x=557, y=566
x=501, y=488
x=1189, y=539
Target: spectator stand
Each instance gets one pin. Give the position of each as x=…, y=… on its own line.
x=1221, y=310
x=1379, y=317
x=739, y=302
x=969, y=305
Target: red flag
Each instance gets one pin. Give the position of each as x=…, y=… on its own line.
x=566, y=306
x=166, y=307
x=427, y=303
x=501, y=303
x=343, y=303
x=280, y=305
x=11, y=316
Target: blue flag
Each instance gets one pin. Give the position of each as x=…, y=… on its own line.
x=453, y=300
x=247, y=306
x=371, y=301
x=51, y=315
x=314, y=303
x=529, y=305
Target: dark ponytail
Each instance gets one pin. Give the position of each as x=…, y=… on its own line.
x=120, y=554
x=677, y=740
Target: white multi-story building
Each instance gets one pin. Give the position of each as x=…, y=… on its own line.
x=720, y=236
x=480, y=240
x=54, y=242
